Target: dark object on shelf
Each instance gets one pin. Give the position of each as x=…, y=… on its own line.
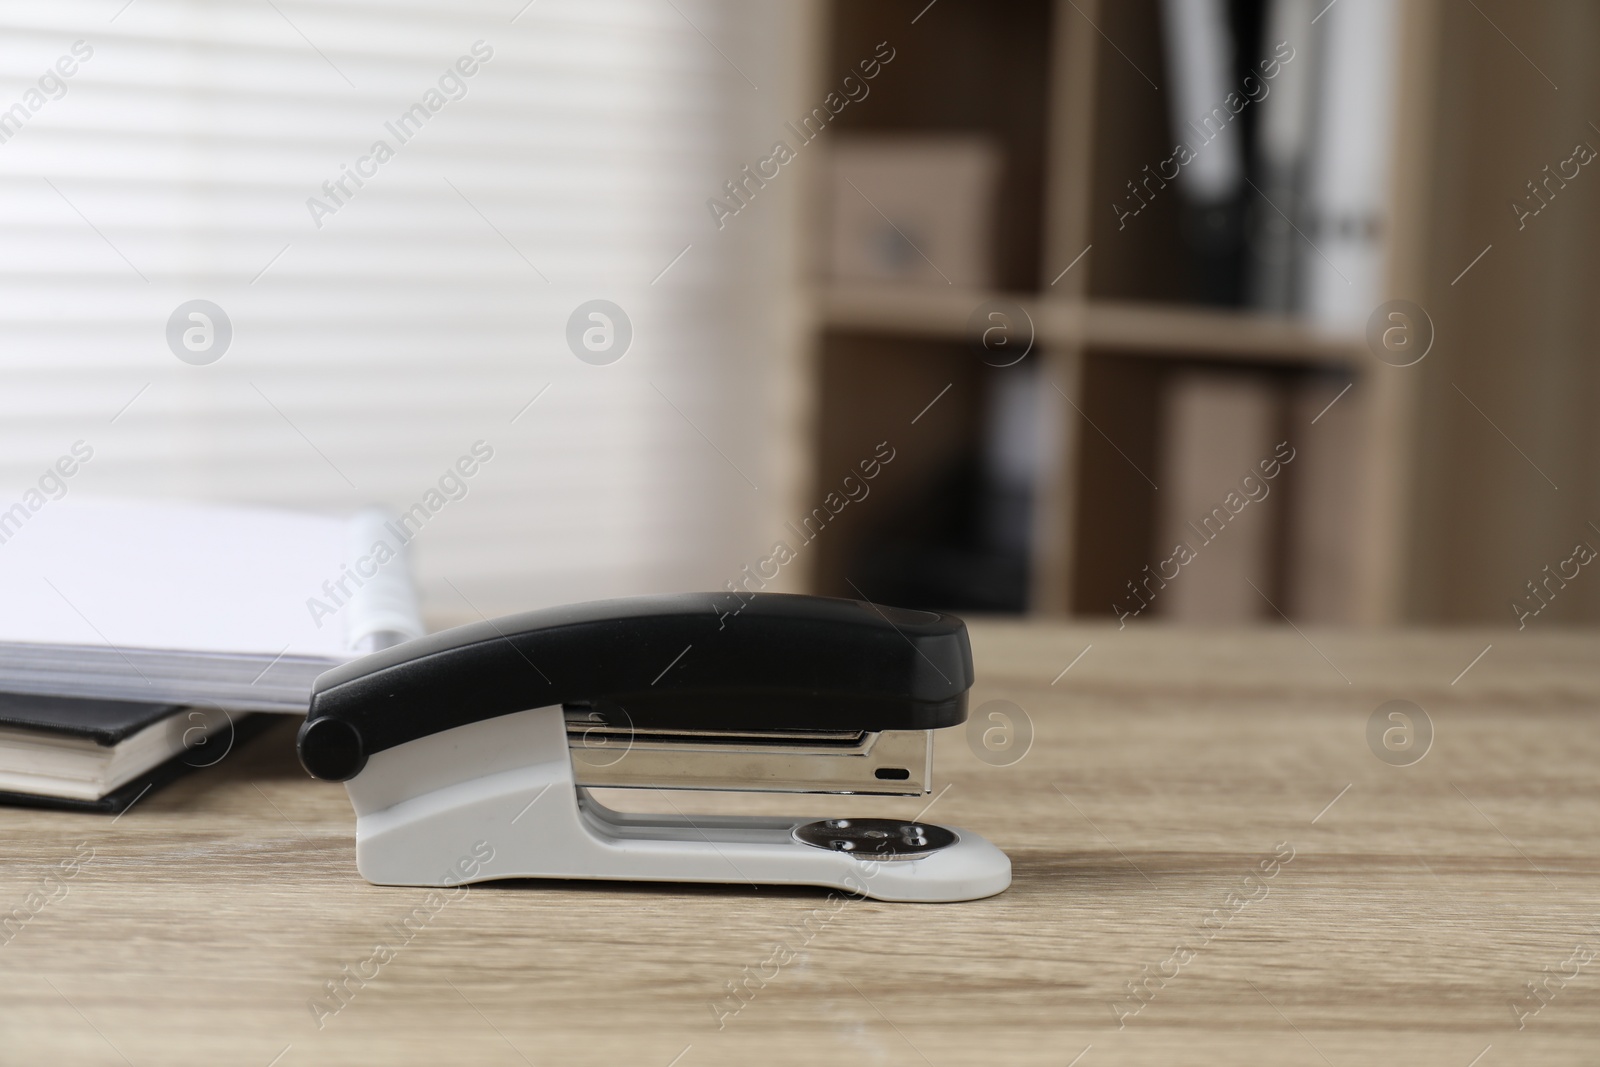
x=1212, y=48
x=962, y=547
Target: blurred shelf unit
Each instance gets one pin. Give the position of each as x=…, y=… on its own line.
x=1125, y=327
x=1032, y=486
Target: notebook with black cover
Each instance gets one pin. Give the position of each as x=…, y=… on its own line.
x=102, y=755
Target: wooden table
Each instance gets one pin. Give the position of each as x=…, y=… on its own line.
x=1171, y=776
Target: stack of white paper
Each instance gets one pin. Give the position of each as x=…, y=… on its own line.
x=187, y=603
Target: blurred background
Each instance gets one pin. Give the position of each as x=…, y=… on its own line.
x=1206, y=311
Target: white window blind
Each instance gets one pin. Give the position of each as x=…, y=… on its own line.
x=382, y=330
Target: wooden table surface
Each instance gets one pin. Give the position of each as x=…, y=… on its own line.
x=1212, y=865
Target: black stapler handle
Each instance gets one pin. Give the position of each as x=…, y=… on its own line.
x=702, y=661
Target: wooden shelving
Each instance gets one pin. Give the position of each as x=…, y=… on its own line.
x=1124, y=327
x=1437, y=519
x=1074, y=116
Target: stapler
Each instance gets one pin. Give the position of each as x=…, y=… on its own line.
x=470, y=754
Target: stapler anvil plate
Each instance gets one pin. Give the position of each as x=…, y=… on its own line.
x=486, y=740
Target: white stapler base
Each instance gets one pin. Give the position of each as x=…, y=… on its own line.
x=496, y=799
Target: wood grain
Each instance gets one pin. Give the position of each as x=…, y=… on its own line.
x=1165, y=765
